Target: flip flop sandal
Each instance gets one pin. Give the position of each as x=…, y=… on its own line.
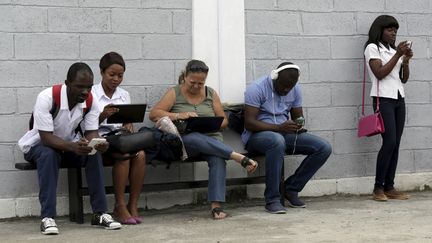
x=247, y=161
x=216, y=211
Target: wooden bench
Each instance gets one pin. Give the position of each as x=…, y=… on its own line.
x=77, y=190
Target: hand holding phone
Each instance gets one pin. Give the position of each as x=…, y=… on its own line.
x=94, y=142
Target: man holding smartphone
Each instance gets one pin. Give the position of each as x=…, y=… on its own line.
x=274, y=127
x=54, y=137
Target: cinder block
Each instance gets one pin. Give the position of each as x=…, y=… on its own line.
x=17, y=183
x=416, y=115
x=335, y=71
x=20, y=125
x=406, y=162
x=422, y=160
x=36, y=73
x=167, y=47
x=153, y=72
x=57, y=71
x=78, y=20
x=7, y=209
x=364, y=22
x=168, y=199
x=342, y=166
x=255, y=191
x=172, y=4
x=261, y=47
x=155, y=93
x=347, y=94
x=333, y=118
x=303, y=48
x=8, y=100
x=316, y=95
x=347, y=47
x=23, y=19
x=356, y=186
x=47, y=46
x=27, y=206
x=260, y=4
x=272, y=22
x=420, y=71
x=138, y=94
x=360, y=6
x=95, y=46
x=141, y=21
x=317, y=188
x=307, y=5
x=249, y=72
x=416, y=138
x=63, y=3
x=110, y=3
x=27, y=98
x=346, y=142
x=414, y=6
x=6, y=46
x=7, y=158
x=182, y=21
x=410, y=182
x=419, y=24
x=328, y=23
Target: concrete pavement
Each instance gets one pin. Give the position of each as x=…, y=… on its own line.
x=326, y=219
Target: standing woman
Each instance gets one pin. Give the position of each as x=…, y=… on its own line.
x=388, y=66
x=112, y=67
x=192, y=98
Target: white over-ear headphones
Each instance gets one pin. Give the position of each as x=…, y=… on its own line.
x=274, y=74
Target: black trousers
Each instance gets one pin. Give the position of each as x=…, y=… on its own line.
x=393, y=113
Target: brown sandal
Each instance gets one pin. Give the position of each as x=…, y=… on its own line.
x=216, y=211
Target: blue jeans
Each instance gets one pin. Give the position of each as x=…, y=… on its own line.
x=275, y=145
x=215, y=153
x=48, y=160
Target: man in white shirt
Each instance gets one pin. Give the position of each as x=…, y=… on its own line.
x=53, y=138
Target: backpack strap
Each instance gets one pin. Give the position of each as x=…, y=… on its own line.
x=55, y=107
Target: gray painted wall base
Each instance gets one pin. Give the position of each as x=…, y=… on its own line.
x=29, y=206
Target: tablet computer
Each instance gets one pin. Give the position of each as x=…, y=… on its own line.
x=128, y=113
x=204, y=124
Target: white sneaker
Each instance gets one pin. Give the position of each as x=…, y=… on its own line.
x=105, y=220
x=49, y=227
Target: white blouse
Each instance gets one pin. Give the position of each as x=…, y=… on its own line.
x=391, y=84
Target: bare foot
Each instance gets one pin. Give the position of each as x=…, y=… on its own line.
x=133, y=209
x=121, y=213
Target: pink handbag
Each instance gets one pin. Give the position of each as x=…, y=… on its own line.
x=372, y=124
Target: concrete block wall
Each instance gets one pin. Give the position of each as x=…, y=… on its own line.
x=40, y=39
x=325, y=38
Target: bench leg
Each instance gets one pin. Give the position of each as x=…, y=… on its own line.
x=282, y=185
x=76, y=209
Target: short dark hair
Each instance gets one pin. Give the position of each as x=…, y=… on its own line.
x=76, y=68
x=290, y=74
x=193, y=66
x=111, y=58
x=380, y=23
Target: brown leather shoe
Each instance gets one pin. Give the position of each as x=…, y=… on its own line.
x=394, y=194
x=378, y=195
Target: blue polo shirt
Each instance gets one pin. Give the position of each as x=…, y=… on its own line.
x=274, y=109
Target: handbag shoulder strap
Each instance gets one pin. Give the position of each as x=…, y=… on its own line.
x=364, y=89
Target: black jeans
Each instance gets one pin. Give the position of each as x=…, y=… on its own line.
x=393, y=114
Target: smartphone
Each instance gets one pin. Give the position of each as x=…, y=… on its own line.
x=409, y=43
x=94, y=142
x=300, y=121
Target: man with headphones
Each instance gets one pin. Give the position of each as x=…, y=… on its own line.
x=274, y=127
